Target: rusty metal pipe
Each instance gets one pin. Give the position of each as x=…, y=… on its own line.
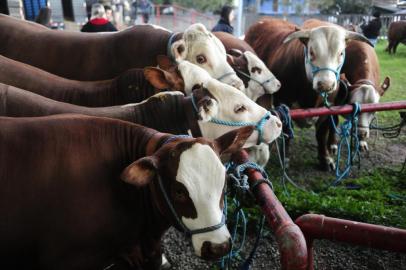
x=346, y=109
x=290, y=239
x=374, y=236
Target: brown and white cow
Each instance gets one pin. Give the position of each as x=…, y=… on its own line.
x=129, y=87
x=396, y=35
x=79, y=192
x=362, y=70
x=306, y=62
x=101, y=56
x=166, y=112
x=258, y=79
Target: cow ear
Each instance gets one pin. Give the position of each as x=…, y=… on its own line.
x=179, y=50
x=350, y=35
x=164, y=62
x=159, y=78
x=385, y=85
x=235, y=52
x=140, y=172
x=206, y=105
x=302, y=35
x=230, y=60
x=233, y=141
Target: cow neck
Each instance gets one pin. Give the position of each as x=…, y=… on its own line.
x=164, y=112
x=130, y=86
x=191, y=117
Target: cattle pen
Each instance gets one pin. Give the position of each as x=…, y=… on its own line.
x=295, y=239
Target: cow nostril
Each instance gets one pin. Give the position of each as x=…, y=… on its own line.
x=278, y=124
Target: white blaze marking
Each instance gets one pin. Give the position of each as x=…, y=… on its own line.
x=202, y=173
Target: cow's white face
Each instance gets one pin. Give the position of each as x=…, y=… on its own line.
x=229, y=104
x=325, y=49
x=364, y=94
x=202, y=173
x=192, y=75
x=202, y=48
x=260, y=73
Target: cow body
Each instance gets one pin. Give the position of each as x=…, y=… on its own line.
x=101, y=56
x=80, y=192
x=396, y=35
x=167, y=112
x=129, y=87
x=304, y=72
x=362, y=71
x=63, y=205
x=81, y=56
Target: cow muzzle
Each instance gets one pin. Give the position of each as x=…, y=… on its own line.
x=213, y=251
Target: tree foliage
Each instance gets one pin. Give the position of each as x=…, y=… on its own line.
x=344, y=6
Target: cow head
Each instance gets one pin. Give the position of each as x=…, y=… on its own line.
x=193, y=179
x=258, y=77
x=364, y=93
x=202, y=48
x=324, y=54
x=216, y=100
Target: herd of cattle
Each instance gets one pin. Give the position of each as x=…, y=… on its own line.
x=91, y=174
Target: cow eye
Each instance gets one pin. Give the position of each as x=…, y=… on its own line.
x=201, y=59
x=240, y=109
x=311, y=55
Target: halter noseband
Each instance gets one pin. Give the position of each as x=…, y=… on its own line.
x=259, y=126
x=255, y=80
x=185, y=229
x=316, y=69
x=226, y=75
x=169, y=45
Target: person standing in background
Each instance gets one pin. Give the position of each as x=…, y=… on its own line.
x=371, y=30
x=145, y=8
x=226, y=18
x=98, y=21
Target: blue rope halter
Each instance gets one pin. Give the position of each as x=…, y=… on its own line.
x=185, y=229
x=226, y=75
x=255, y=80
x=316, y=69
x=259, y=126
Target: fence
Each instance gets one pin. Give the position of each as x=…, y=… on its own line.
x=343, y=19
x=178, y=18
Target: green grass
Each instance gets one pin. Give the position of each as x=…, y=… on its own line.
x=371, y=203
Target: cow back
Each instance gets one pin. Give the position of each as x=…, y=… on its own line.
x=81, y=56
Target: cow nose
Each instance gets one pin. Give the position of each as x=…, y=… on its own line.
x=212, y=251
x=325, y=87
x=362, y=134
x=278, y=84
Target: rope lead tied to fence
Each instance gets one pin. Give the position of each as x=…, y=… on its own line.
x=239, y=189
x=348, y=136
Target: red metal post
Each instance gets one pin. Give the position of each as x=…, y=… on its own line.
x=374, y=236
x=346, y=109
x=291, y=242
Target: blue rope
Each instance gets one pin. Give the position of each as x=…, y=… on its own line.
x=174, y=137
x=250, y=259
x=282, y=111
x=348, y=134
x=240, y=182
x=316, y=69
